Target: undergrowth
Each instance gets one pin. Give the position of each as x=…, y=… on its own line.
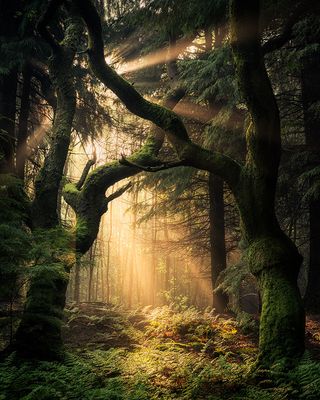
x=172, y=355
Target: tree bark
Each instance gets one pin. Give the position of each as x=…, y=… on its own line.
x=76, y=295
x=217, y=240
x=272, y=256
x=310, y=85
x=39, y=333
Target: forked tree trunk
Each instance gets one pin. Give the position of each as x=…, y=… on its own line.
x=39, y=333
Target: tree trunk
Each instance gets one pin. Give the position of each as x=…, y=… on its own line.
x=272, y=257
x=90, y=283
x=8, y=90
x=39, y=333
x=9, y=23
x=22, y=135
x=217, y=240
x=275, y=262
x=76, y=296
x=310, y=85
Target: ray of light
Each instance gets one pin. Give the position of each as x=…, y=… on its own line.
x=159, y=56
x=37, y=136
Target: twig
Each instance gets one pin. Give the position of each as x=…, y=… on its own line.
x=86, y=170
x=118, y=192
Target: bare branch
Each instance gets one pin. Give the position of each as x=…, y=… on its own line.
x=118, y=192
x=86, y=170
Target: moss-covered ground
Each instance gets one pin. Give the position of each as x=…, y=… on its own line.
x=162, y=353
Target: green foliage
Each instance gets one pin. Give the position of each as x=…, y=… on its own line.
x=212, y=77
x=163, y=364
x=14, y=236
x=307, y=378
x=44, y=380
x=311, y=176
x=50, y=245
x=224, y=134
x=232, y=277
x=15, y=49
x=185, y=15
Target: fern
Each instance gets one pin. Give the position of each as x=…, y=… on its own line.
x=307, y=378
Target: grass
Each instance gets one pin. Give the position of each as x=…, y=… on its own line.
x=158, y=354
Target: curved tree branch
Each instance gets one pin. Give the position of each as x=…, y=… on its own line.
x=87, y=198
x=164, y=118
x=161, y=167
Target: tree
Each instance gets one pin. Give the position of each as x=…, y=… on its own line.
x=271, y=255
x=39, y=333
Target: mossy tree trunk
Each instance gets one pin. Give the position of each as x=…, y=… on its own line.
x=272, y=257
x=275, y=262
x=39, y=333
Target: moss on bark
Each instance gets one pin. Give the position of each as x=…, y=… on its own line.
x=39, y=333
x=281, y=336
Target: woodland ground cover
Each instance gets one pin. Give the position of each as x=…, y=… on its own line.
x=170, y=352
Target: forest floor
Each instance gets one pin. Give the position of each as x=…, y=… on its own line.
x=161, y=353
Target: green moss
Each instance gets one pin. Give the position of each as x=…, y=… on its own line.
x=268, y=252
x=39, y=333
x=282, y=320
x=70, y=188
